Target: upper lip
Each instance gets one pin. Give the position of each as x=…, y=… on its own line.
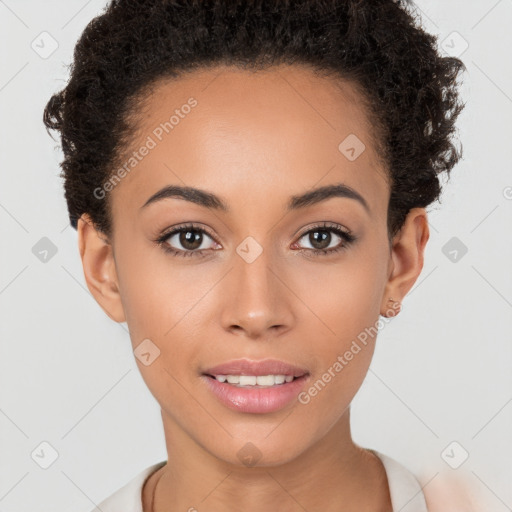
x=258, y=368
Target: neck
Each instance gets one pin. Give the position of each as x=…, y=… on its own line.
x=333, y=473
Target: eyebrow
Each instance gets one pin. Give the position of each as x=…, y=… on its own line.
x=213, y=202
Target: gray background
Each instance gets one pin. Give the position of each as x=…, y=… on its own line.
x=442, y=371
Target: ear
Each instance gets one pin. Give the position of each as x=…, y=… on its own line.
x=406, y=260
x=99, y=268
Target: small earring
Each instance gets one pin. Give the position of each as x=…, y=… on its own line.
x=396, y=305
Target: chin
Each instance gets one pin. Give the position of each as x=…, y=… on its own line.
x=264, y=446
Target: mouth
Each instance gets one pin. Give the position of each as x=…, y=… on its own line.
x=255, y=386
x=254, y=381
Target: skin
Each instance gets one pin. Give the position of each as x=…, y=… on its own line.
x=255, y=140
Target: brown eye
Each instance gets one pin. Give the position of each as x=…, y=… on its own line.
x=326, y=239
x=320, y=238
x=186, y=241
x=190, y=239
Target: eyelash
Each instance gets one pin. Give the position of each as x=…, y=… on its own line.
x=347, y=236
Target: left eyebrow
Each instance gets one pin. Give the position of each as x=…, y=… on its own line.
x=213, y=202
x=193, y=195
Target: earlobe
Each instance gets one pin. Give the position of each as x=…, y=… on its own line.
x=99, y=268
x=407, y=255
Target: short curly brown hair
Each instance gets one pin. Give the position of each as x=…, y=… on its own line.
x=411, y=90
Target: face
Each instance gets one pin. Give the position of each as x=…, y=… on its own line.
x=266, y=276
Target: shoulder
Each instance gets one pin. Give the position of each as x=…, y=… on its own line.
x=404, y=488
x=442, y=490
x=129, y=497
x=453, y=493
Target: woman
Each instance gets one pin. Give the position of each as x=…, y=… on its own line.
x=249, y=183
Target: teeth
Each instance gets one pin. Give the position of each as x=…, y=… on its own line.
x=247, y=380
x=253, y=380
x=265, y=380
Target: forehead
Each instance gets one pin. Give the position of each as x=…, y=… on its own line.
x=229, y=130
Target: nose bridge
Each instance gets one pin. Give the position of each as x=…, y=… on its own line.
x=257, y=300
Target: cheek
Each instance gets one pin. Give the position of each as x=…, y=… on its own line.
x=157, y=294
x=342, y=359
x=165, y=303
x=158, y=300
x=343, y=298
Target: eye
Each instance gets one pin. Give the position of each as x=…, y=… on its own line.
x=321, y=239
x=193, y=241
x=190, y=240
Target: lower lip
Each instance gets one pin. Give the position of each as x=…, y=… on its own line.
x=256, y=400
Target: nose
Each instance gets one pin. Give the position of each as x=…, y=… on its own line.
x=257, y=302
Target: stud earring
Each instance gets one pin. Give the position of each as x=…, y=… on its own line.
x=396, y=306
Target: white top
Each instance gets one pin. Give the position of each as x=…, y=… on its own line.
x=405, y=491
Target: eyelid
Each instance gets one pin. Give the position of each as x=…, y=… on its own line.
x=342, y=232
x=182, y=227
x=174, y=230
x=325, y=225
x=346, y=235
